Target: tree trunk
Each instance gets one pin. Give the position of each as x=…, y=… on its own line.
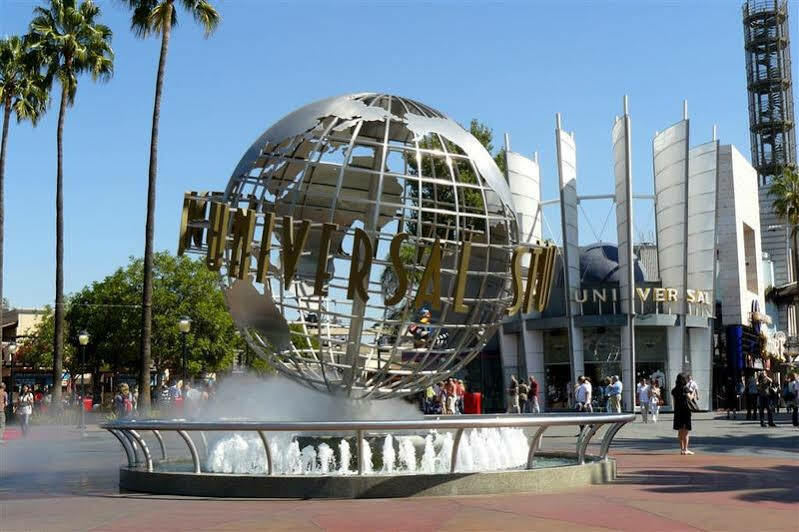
x=147, y=292
x=3, y=146
x=58, y=337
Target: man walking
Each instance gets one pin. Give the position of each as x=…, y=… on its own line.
x=533, y=397
x=751, y=398
x=643, y=399
x=513, y=396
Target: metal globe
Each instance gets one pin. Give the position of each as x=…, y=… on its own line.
x=383, y=165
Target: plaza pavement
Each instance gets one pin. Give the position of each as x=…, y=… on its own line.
x=743, y=477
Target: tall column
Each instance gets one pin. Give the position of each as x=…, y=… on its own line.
x=670, y=158
x=567, y=175
x=622, y=169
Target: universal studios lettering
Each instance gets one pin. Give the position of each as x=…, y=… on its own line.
x=656, y=294
x=204, y=216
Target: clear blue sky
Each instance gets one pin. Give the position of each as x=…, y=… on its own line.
x=512, y=65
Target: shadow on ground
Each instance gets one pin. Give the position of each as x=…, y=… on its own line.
x=764, y=442
x=776, y=484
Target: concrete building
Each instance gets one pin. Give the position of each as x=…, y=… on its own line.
x=676, y=283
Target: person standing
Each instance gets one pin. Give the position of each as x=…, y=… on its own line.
x=693, y=386
x=738, y=394
x=643, y=399
x=124, y=402
x=25, y=409
x=614, y=395
x=532, y=397
x=3, y=405
x=513, y=395
x=792, y=398
x=764, y=399
x=681, y=396
x=654, y=399
x=751, y=398
x=524, y=390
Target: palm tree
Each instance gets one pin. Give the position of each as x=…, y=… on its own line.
x=21, y=91
x=158, y=17
x=72, y=42
x=785, y=191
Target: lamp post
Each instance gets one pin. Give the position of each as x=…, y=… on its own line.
x=83, y=339
x=184, y=326
x=12, y=350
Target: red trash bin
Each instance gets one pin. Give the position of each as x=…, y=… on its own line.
x=472, y=403
x=88, y=404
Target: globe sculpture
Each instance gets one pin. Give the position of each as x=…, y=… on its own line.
x=353, y=172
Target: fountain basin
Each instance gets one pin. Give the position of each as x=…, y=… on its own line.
x=179, y=479
x=475, y=455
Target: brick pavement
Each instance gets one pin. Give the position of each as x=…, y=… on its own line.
x=74, y=488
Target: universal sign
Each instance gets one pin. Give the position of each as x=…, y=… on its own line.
x=701, y=298
x=210, y=223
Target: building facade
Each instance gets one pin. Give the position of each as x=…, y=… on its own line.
x=704, y=267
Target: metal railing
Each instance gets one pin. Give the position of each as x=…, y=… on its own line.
x=129, y=432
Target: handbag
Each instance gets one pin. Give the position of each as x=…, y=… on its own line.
x=693, y=406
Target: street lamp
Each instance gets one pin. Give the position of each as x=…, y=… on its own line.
x=83, y=339
x=184, y=326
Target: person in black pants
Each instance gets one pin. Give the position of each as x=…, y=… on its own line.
x=765, y=400
x=751, y=398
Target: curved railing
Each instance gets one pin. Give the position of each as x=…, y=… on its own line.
x=128, y=432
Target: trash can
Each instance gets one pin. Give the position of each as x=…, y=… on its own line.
x=472, y=403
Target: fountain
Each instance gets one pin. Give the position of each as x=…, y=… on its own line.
x=330, y=233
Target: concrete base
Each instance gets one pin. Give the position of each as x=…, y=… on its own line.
x=544, y=480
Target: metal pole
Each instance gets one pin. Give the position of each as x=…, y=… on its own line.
x=82, y=390
x=183, y=335
x=684, y=318
x=628, y=162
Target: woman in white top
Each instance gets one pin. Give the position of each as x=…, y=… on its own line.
x=654, y=400
x=25, y=409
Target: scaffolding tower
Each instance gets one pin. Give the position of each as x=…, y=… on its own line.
x=771, y=120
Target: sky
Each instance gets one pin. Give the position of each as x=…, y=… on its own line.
x=512, y=65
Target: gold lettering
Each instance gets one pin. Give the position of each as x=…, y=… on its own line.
x=432, y=272
x=690, y=295
x=460, y=282
x=701, y=298
x=243, y=229
x=359, y=274
x=399, y=268
x=580, y=296
x=544, y=289
x=597, y=295
x=516, y=277
x=660, y=294
x=321, y=266
x=532, y=278
x=266, y=243
x=216, y=236
x=193, y=209
x=643, y=294
x=671, y=294
x=291, y=250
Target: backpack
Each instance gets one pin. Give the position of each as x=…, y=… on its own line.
x=127, y=404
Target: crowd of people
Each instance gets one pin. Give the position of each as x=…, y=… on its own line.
x=523, y=396
x=650, y=399
x=444, y=397
x=760, y=396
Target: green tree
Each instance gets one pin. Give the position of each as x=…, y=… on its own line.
x=36, y=350
x=22, y=92
x=158, y=17
x=109, y=311
x=71, y=42
x=442, y=196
